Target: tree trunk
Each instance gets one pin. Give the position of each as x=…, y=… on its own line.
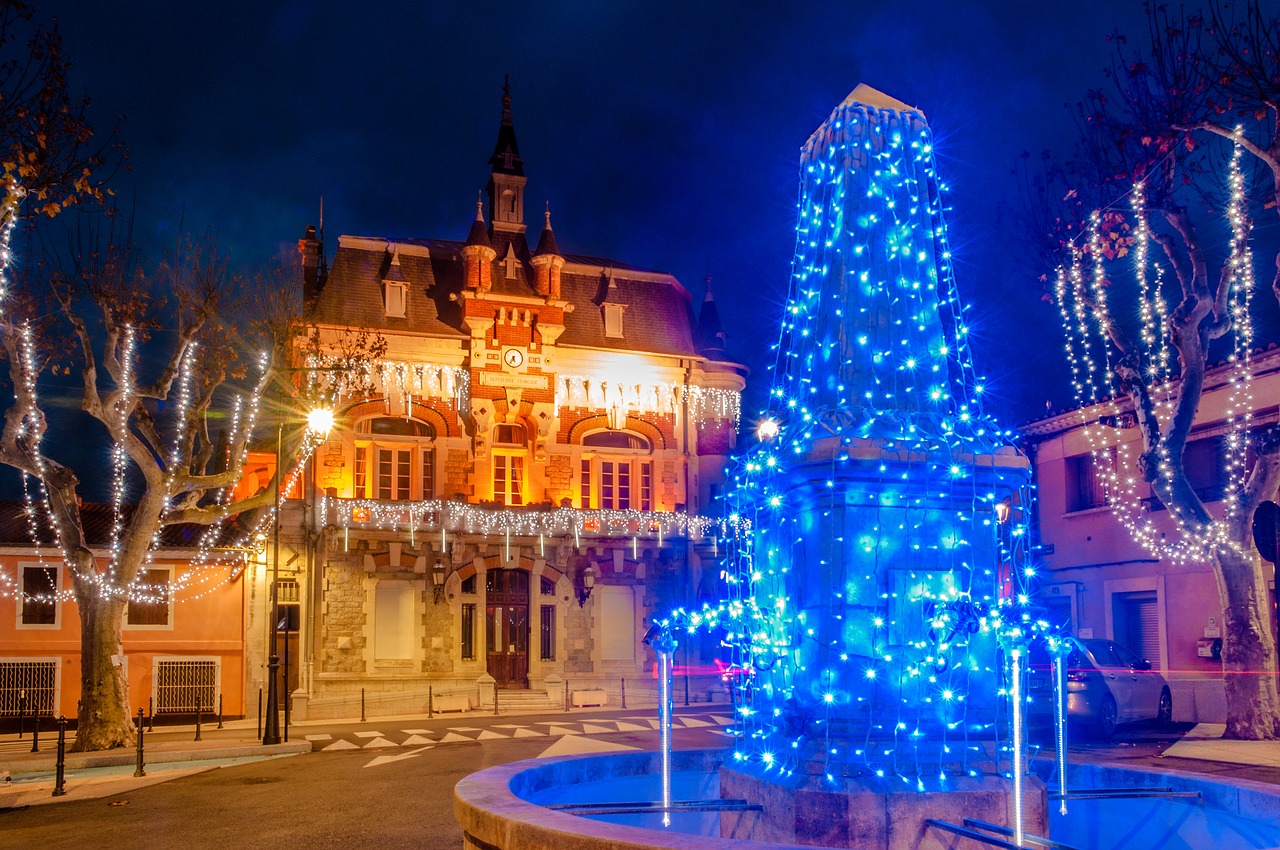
x=104, y=719
x=1248, y=649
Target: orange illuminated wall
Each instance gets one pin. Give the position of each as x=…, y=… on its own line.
x=205, y=621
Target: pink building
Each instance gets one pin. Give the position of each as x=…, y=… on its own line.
x=1101, y=582
x=184, y=634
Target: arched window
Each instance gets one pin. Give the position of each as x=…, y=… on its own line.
x=616, y=471
x=510, y=451
x=395, y=459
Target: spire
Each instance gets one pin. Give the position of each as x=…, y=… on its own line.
x=479, y=234
x=506, y=153
x=547, y=243
x=711, y=335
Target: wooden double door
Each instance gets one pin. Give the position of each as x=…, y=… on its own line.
x=507, y=627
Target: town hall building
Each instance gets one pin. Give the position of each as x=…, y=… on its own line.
x=529, y=483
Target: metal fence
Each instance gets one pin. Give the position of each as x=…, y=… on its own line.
x=186, y=685
x=31, y=683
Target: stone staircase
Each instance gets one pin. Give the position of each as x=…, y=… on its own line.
x=520, y=701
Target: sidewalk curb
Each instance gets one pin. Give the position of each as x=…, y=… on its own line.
x=156, y=754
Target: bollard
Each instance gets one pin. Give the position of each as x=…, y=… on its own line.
x=362, y=719
x=219, y=711
x=259, y=713
x=495, y=700
x=59, y=786
x=151, y=714
x=624, y=693
x=197, y=721
x=22, y=712
x=287, y=698
x=429, y=700
x=686, y=687
x=138, y=771
x=566, y=694
x=35, y=733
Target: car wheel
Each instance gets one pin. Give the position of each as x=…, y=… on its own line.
x=1105, y=728
x=1164, y=714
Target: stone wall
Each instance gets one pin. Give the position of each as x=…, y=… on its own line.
x=559, y=478
x=456, y=474
x=344, y=618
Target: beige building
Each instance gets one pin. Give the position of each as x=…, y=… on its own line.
x=1103, y=583
x=528, y=484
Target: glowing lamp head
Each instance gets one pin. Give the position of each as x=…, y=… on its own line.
x=767, y=430
x=320, y=420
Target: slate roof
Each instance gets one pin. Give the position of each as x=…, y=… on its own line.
x=658, y=319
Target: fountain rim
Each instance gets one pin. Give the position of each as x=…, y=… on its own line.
x=493, y=815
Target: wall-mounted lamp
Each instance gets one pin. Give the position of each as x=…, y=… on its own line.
x=588, y=585
x=1004, y=509
x=437, y=581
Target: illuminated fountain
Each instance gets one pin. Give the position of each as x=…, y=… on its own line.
x=879, y=601
x=877, y=604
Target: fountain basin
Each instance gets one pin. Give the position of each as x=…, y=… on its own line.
x=503, y=808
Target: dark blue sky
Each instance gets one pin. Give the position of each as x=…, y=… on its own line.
x=663, y=134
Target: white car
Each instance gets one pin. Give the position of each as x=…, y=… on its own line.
x=1107, y=684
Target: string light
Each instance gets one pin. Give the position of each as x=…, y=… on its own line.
x=877, y=549
x=1103, y=408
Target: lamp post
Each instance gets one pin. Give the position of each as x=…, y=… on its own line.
x=320, y=421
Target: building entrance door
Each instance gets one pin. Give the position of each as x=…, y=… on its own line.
x=507, y=627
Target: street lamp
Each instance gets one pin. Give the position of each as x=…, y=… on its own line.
x=588, y=585
x=437, y=581
x=319, y=421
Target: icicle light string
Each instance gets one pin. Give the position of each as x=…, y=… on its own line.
x=1097, y=391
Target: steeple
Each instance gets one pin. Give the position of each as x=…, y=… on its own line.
x=478, y=254
x=506, y=178
x=711, y=333
x=547, y=262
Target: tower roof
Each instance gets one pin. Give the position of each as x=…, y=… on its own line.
x=506, y=153
x=711, y=335
x=547, y=242
x=479, y=234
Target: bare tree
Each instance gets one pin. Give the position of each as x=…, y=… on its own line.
x=1166, y=146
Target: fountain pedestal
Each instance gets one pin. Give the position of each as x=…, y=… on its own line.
x=884, y=815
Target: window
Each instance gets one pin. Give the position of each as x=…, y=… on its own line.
x=616, y=472
x=149, y=598
x=613, y=319
x=508, y=463
x=508, y=479
x=398, y=462
x=39, y=596
x=469, y=627
x=509, y=435
x=396, y=298
x=469, y=584
x=186, y=684
x=362, y=471
x=29, y=684
x=1205, y=464
x=547, y=587
x=547, y=634
x=393, y=474
x=1085, y=487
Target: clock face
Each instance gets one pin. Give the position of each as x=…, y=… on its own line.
x=513, y=357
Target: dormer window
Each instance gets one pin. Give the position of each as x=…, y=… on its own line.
x=396, y=296
x=613, y=320
x=511, y=262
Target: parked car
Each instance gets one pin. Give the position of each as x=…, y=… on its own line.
x=1107, y=684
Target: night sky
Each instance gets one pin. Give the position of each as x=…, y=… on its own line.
x=664, y=135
